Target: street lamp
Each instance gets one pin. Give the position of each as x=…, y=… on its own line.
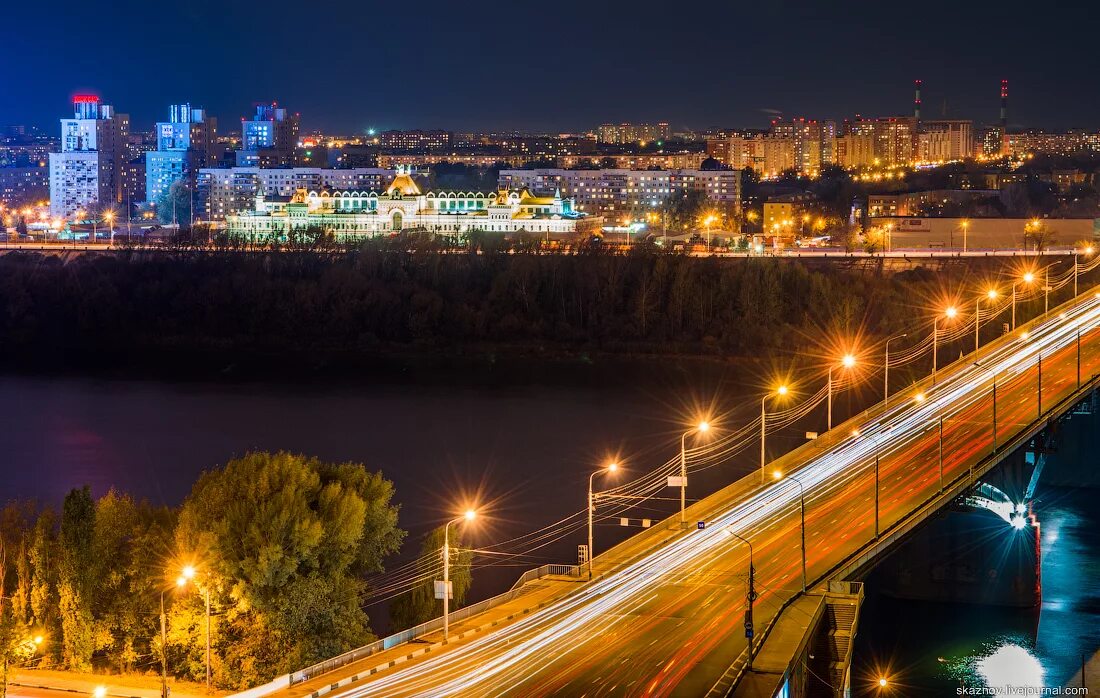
x=965, y=226
x=886, y=370
x=1027, y=279
x=991, y=294
x=780, y=391
x=847, y=361
x=110, y=218
x=701, y=428
x=802, y=513
x=470, y=515
x=1088, y=251
x=708, y=221
x=611, y=468
x=750, y=595
x=950, y=312
x=188, y=575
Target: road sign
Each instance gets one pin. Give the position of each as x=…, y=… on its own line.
x=701, y=525
x=439, y=587
x=677, y=481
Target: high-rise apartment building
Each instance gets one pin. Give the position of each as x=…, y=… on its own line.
x=416, y=140
x=269, y=138
x=945, y=140
x=626, y=133
x=86, y=176
x=812, y=142
x=185, y=143
x=885, y=142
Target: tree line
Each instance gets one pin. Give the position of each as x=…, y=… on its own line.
x=378, y=300
x=282, y=544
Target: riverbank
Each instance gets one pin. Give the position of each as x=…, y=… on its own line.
x=309, y=313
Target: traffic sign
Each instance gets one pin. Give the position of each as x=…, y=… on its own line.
x=701, y=525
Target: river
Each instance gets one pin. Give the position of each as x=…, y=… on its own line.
x=522, y=450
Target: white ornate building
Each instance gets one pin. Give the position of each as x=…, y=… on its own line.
x=403, y=206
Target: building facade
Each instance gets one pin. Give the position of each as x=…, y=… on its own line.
x=223, y=192
x=402, y=206
x=945, y=141
x=185, y=143
x=24, y=186
x=86, y=175
x=626, y=190
x=416, y=140
x=269, y=139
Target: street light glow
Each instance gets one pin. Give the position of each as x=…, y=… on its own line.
x=781, y=390
x=189, y=572
x=1029, y=277
x=470, y=514
x=919, y=397
x=181, y=581
x=883, y=683
x=703, y=427
x=778, y=475
x=612, y=467
x=848, y=361
x=991, y=293
x=100, y=691
x=951, y=311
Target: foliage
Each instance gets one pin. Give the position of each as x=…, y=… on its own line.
x=281, y=543
x=76, y=581
x=289, y=538
x=419, y=605
x=173, y=205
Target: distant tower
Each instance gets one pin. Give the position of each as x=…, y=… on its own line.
x=916, y=100
x=1004, y=104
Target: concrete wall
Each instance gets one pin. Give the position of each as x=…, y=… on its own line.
x=982, y=233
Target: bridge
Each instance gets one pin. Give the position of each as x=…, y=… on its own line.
x=666, y=612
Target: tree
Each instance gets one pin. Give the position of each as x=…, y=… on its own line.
x=174, y=204
x=288, y=539
x=76, y=581
x=419, y=605
x=21, y=226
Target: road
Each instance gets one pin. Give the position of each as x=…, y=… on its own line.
x=668, y=622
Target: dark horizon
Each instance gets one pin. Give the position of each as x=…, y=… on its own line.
x=525, y=68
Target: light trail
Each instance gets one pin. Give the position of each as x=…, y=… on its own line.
x=592, y=618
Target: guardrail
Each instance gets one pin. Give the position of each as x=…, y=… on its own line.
x=431, y=626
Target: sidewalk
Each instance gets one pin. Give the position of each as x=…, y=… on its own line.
x=118, y=686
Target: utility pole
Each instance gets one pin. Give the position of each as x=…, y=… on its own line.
x=163, y=650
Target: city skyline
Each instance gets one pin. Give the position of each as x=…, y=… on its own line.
x=529, y=70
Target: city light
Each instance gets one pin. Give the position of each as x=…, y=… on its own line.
x=951, y=312
x=848, y=361
x=470, y=514
x=99, y=691
x=703, y=427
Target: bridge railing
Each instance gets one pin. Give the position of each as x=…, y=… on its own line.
x=431, y=626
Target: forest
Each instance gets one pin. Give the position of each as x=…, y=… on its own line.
x=176, y=308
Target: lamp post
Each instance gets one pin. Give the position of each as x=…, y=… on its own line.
x=1046, y=289
x=700, y=428
x=1027, y=279
x=991, y=294
x=802, y=514
x=189, y=575
x=110, y=218
x=780, y=391
x=950, y=312
x=468, y=516
x=1088, y=251
x=750, y=595
x=611, y=468
x=847, y=362
x=180, y=581
x=886, y=370
x=965, y=226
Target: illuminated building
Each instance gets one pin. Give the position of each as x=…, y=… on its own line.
x=812, y=144
x=416, y=140
x=185, y=143
x=402, y=206
x=21, y=186
x=225, y=191
x=945, y=140
x=627, y=190
x=87, y=174
x=269, y=138
x=626, y=133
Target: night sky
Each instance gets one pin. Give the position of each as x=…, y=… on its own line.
x=536, y=66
